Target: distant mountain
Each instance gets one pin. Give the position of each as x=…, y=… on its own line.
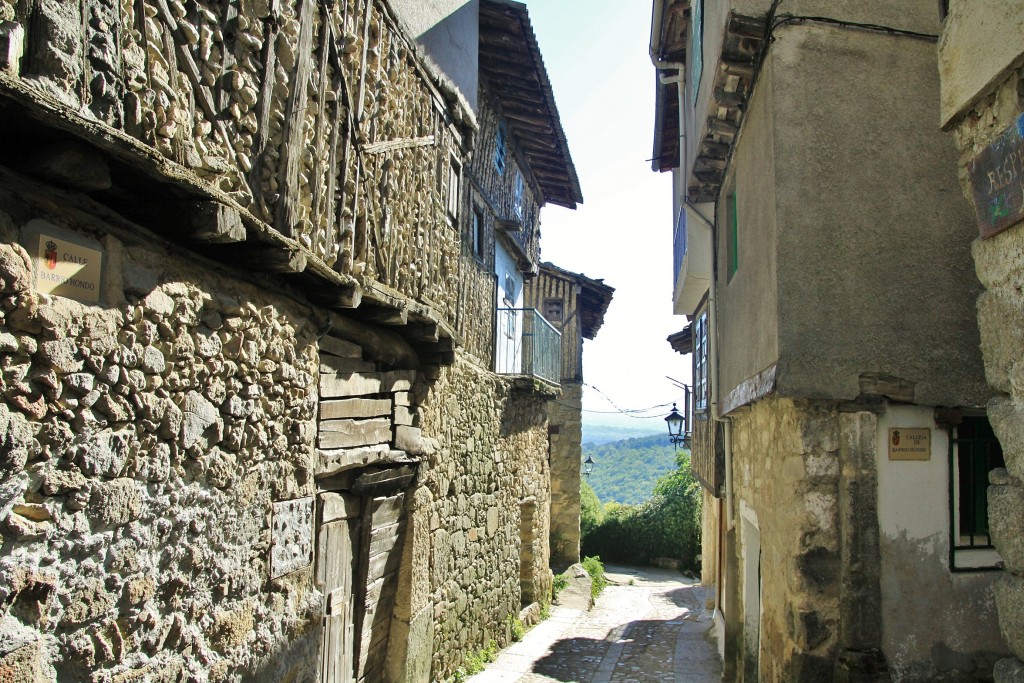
x=606, y=433
x=627, y=470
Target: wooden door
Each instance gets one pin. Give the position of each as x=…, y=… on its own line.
x=384, y=533
x=337, y=552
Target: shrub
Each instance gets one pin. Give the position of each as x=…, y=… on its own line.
x=598, y=581
x=476, y=662
x=560, y=583
x=667, y=525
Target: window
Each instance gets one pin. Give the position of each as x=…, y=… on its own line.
x=974, y=451
x=510, y=290
x=517, y=196
x=700, y=362
x=732, y=225
x=478, y=234
x=554, y=310
x=454, y=174
x=500, y=149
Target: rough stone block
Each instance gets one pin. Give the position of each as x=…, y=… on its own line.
x=403, y=416
x=26, y=665
x=15, y=269
x=1008, y=670
x=1009, y=594
x=116, y=502
x=292, y=536
x=409, y=439
x=1001, y=324
x=1008, y=424
x=411, y=663
x=354, y=408
x=1006, y=523
x=352, y=433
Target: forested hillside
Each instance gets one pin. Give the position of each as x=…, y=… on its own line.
x=627, y=470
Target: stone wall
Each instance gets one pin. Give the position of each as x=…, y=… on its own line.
x=850, y=551
x=786, y=487
x=999, y=263
x=145, y=442
x=566, y=455
x=487, y=472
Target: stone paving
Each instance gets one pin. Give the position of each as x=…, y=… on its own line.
x=650, y=626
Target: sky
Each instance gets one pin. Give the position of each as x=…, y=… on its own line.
x=596, y=55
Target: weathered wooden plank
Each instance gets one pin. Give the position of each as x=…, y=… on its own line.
x=394, y=145
x=333, y=461
x=384, y=563
x=334, y=506
x=287, y=216
x=274, y=259
x=364, y=384
x=339, y=347
x=263, y=108
x=357, y=384
x=384, y=315
x=383, y=540
x=387, y=510
x=383, y=482
x=380, y=344
x=352, y=408
x=336, y=365
x=351, y=433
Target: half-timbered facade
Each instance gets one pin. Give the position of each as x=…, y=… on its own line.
x=250, y=425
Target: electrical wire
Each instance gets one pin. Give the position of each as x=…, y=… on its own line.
x=635, y=413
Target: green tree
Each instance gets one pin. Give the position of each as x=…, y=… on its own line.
x=591, y=514
x=667, y=525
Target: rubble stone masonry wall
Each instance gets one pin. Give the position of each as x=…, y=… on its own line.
x=999, y=261
x=143, y=443
x=566, y=454
x=485, y=502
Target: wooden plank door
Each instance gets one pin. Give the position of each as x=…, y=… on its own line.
x=384, y=529
x=337, y=552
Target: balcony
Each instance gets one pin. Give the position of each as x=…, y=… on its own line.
x=527, y=344
x=691, y=262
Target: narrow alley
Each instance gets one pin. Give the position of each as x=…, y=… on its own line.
x=648, y=626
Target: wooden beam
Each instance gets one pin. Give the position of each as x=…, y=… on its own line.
x=384, y=315
x=340, y=296
x=209, y=221
x=729, y=99
x=269, y=259
x=71, y=164
x=377, y=343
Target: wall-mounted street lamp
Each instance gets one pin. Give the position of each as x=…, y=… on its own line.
x=588, y=466
x=679, y=425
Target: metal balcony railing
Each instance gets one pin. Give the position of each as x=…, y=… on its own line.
x=527, y=344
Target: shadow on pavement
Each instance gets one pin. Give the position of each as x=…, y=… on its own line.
x=645, y=653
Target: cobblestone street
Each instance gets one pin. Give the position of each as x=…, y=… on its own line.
x=648, y=627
